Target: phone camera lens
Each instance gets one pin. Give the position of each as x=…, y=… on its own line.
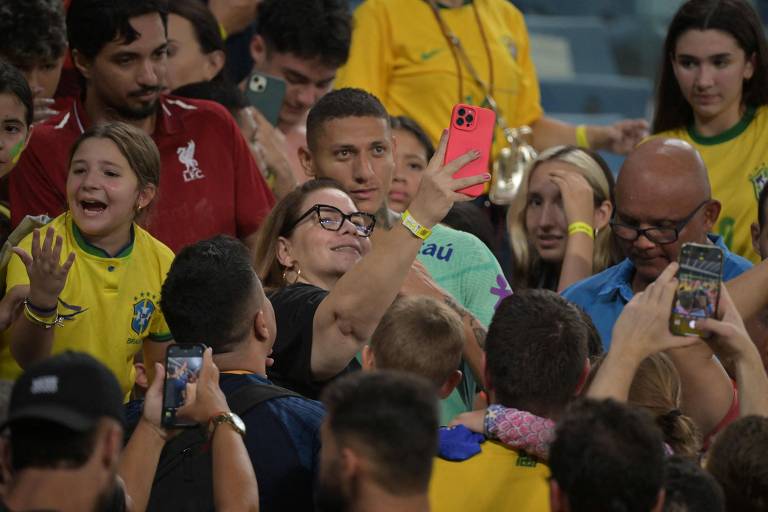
x=460, y=121
x=470, y=118
x=462, y=111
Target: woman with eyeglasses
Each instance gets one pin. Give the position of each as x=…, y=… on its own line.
x=328, y=286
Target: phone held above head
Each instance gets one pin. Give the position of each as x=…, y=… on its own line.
x=471, y=128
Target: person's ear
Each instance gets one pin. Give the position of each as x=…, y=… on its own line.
x=146, y=195
x=214, y=63
x=141, y=379
x=603, y=215
x=369, y=359
x=351, y=464
x=749, y=66
x=305, y=159
x=6, y=463
x=260, y=326
x=558, y=501
x=487, y=375
x=755, y=231
x=583, y=377
x=82, y=64
x=711, y=213
x=450, y=384
x=111, y=444
x=258, y=48
x=659, y=506
x=284, y=252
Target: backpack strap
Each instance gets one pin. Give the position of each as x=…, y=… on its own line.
x=241, y=401
x=249, y=396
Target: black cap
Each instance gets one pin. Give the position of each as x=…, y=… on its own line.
x=72, y=389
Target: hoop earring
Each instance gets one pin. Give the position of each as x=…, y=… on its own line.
x=291, y=269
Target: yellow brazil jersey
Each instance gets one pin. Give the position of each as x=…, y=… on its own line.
x=111, y=303
x=400, y=55
x=737, y=162
x=498, y=478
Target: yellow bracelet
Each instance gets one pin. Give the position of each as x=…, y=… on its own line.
x=581, y=136
x=581, y=227
x=414, y=227
x=45, y=322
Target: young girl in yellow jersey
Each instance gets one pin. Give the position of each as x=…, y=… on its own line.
x=713, y=92
x=95, y=278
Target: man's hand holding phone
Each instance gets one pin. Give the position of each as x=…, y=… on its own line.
x=642, y=329
x=204, y=398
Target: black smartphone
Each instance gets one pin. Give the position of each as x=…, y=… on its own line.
x=182, y=367
x=266, y=94
x=698, y=289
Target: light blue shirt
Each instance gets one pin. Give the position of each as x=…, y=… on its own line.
x=604, y=295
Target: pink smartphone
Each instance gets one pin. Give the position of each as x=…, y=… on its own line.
x=471, y=128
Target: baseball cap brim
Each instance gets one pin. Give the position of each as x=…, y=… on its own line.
x=64, y=416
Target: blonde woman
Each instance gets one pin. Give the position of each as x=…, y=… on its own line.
x=558, y=224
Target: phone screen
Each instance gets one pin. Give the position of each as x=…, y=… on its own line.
x=698, y=290
x=182, y=368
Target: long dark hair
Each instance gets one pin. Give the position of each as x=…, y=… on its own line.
x=734, y=17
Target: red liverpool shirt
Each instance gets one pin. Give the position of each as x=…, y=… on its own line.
x=209, y=182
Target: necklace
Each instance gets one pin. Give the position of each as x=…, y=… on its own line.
x=458, y=52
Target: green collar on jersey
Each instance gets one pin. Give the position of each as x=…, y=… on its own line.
x=443, y=6
x=729, y=134
x=98, y=251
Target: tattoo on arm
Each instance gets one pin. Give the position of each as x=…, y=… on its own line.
x=477, y=329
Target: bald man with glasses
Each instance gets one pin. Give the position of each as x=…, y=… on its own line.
x=664, y=200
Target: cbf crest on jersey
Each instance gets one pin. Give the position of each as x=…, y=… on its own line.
x=142, y=312
x=759, y=179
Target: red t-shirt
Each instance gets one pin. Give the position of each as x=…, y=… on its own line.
x=209, y=183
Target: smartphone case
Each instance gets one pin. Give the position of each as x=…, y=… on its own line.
x=703, y=265
x=266, y=94
x=174, y=351
x=471, y=128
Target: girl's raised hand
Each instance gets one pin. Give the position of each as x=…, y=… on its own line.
x=577, y=194
x=47, y=275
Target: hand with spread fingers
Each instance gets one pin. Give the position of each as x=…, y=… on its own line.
x=438, y=189
x=47, y=274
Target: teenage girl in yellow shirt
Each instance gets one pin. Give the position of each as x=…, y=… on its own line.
x=712, y=93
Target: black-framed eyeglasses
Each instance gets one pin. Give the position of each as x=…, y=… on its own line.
x=331, y=218
x=657, y=235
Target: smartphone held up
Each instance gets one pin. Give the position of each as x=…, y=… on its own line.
x=266, y=94
x=698, y=289
x=183, y=363
x=471, y=128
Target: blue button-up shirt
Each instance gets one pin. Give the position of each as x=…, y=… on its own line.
x=604, y=295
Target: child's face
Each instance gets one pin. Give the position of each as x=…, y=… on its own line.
x=103, y=191
x=13, y=136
